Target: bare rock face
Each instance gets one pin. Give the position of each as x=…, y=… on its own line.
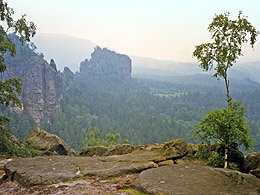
x=107, y=64
x=42, y=86
x=48, y=143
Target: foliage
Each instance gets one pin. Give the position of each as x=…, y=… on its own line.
x=215, y=160
x=93, y=138
x=228, y=126
x=228, y=37
x=20, y=149
x=25, y=30
x=202, y=151
x=11, y=87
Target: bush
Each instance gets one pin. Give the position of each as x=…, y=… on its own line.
x=215, y=160
x=202, y=151
x=8, y=148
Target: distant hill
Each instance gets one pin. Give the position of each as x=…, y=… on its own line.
x=70, y=51
x=65, y=50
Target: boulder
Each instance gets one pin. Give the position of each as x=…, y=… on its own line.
x=93, y=151
x=191, y=150
x=121, y=149
x=107, y=151
x=174, y=149
x=255, y=172
x=48, y=143
x=252, y=161
x=195, y=179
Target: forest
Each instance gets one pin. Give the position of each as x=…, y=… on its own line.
x=144, y=111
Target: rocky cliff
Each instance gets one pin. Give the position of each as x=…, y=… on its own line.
x=108, y=65
x=42, y=86
x=67, y=76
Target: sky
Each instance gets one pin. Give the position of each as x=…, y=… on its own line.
x=160, y=29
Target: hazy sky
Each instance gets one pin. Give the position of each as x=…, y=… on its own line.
x=161, y=29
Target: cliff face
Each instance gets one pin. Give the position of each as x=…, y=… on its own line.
x=67, y=76
x=42, y=86
x=107, y=64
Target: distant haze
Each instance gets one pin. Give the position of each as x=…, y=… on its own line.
x=164, y=30
x=70, y=51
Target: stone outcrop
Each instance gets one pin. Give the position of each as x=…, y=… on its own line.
x=163, y=168
x=47, y=143
x=67, y=76
x=51, y=170
x=172, y=150
x=195, y=179
x=108, y=65
x=42, y=86
x=107, y=151
x=252, y=164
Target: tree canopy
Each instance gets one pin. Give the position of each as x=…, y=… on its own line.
x=227, y=126
x=228, y=38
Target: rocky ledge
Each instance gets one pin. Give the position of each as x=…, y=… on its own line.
x=169, y=168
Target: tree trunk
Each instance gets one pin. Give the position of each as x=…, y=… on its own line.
x=227, y=87
x=226, y=156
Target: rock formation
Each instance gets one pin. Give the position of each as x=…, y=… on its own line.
x=48, y=143
x=107, y=151
x=67, y=76
x=42, y=86
x=108, y=65
x=162, y=170
x=252, y=164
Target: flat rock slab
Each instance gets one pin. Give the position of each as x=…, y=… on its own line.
x=196, y=179
x=51, y=170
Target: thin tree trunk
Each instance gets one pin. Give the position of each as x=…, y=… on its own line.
x=227, y=87
x=228, y=101
x=226, y=156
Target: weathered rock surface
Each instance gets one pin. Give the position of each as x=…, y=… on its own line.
x=55, y=169
x=48, y=143
x=155, y=152
x=107, y=151
x=252, y=163
x=49, y=170
x=42, y=86
x=163, y=169
x=107, y=64
x=196, y=179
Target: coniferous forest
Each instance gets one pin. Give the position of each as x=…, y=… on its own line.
x=144, y=111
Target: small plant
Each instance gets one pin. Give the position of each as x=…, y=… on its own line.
x=202, y=151
x=124, y=184
x=215, y=160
